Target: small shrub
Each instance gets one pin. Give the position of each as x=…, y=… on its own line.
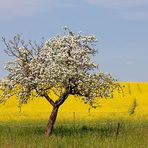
x=132, y=108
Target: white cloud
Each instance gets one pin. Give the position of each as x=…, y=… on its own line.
x=130, y=62
x=9, y=8
x=12, y=8
x=135, y=15
x=122, y=3
x=125, y=9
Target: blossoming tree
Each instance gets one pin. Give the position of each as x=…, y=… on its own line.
x=62, y=65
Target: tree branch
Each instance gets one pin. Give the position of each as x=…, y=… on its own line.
x=49, y=99
x=62, y=98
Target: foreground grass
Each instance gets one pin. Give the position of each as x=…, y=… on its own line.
x=70, y=134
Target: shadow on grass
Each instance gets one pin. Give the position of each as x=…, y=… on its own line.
x=59, y=131
x=83, y=131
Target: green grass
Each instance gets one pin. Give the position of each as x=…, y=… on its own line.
x=78, y=134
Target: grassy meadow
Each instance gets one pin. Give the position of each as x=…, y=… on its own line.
x=77, y=124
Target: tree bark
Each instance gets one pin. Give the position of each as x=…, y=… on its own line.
x=54, y=112
x=51, y=121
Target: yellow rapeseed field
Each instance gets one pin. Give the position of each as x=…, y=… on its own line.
x=117, y=107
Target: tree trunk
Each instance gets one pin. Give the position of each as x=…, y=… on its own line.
x=51, y=121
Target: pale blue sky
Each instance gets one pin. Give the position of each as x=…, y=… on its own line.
x=121, y=27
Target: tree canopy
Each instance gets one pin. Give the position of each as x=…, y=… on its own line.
x=62, y=64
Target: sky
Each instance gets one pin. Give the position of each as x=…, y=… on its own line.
x=121, y=27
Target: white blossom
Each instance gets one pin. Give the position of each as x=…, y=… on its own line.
x=61, y=62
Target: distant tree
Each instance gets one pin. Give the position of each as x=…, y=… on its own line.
x=62, y=65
